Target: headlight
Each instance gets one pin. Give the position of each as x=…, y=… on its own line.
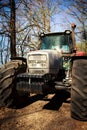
x=30, y=57
x=43, y=58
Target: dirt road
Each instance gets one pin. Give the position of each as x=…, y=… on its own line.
x=51, y=112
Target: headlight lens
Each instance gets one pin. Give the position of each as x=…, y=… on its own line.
x=43, y=57
x=30, y=57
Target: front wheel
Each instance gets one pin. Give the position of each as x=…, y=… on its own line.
x=8, y=73
x=79, y=89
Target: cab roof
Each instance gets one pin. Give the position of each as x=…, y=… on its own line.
x=66, y=32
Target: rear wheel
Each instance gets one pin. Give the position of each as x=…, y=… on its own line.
x=79, y=89
x=8, y=73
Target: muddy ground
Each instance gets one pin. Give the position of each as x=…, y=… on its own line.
x=51, y=112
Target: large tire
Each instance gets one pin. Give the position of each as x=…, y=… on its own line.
x=79, y=89
x=8, y=73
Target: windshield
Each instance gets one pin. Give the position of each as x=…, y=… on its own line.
x=61, y=42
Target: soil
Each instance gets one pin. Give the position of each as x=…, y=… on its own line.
x=50, y=112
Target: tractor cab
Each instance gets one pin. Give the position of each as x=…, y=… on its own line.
x=61, y=41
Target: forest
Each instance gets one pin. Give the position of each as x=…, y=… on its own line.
x=21, y=22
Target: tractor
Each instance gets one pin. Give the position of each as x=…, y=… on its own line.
x=54, y=66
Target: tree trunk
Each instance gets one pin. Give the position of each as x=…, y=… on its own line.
x=12, y=30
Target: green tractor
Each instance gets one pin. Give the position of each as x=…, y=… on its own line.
x=53, y=67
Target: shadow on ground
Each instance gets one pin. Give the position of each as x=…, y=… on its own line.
x=56, y=102
x=27, y=101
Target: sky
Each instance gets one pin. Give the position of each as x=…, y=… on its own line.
x=61, y=23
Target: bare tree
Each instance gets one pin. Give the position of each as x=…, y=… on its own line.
x=7, y=24
x=78, y=10
x=34, y=17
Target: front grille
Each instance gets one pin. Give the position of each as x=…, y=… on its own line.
x=37, y=61
x=37, y=71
